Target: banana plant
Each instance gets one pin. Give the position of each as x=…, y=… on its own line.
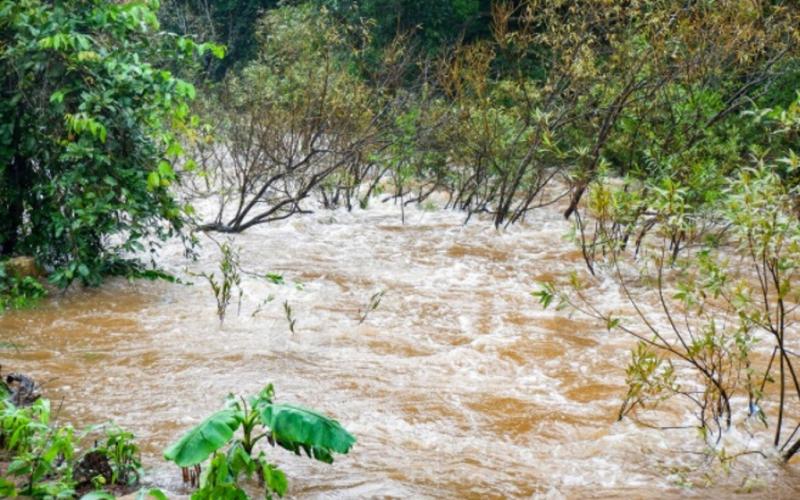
x=233, y=456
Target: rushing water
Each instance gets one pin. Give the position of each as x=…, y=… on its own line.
x=458, y=385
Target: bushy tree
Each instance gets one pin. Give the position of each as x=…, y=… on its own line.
x=89, y=132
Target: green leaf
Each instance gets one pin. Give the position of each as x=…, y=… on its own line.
x=204, y=439
x=295, y=427
x=153, y=180
x=275, y=479
x=545, y=295
x=98, y=495
x=7, y=488
x=185, y=89
x=263, y=398
x=165, y=170
x=276, y=279
x=152, y=493
x=218, y=51
x=83, y=271
x=225, y=491
x=174, y=149
x=239, y=461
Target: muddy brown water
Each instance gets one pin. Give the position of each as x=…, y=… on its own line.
x=458, y=386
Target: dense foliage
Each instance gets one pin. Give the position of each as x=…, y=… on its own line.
x=554, y=95
x=228, y=22
x=292, y=124
x=434, y=25
x=89, y=133
x=234, y=23
x=44, y=460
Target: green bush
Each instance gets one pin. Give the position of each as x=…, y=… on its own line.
x=45, y=460
x=18, y=293
x=90, y=133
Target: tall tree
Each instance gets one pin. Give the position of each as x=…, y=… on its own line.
x=89, y=132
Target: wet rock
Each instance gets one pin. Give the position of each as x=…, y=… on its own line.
x=93, y=465
x=23, y=390
x=22, y=267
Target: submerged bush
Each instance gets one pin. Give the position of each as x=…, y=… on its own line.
x=18, y=292
x=707, y=313
x=46, y=460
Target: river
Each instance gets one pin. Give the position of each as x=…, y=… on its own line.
x=458, y=385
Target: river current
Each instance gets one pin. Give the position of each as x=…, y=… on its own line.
x=458, y=385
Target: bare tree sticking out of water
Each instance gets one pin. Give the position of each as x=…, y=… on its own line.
x=287, y=124
x=714, y=306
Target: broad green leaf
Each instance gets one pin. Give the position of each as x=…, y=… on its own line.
x=204, y=439
x=295, y=427
x=217, y=50
x=185, y=89
x=83, y=270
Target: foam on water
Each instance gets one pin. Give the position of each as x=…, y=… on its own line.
x=458, y=385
